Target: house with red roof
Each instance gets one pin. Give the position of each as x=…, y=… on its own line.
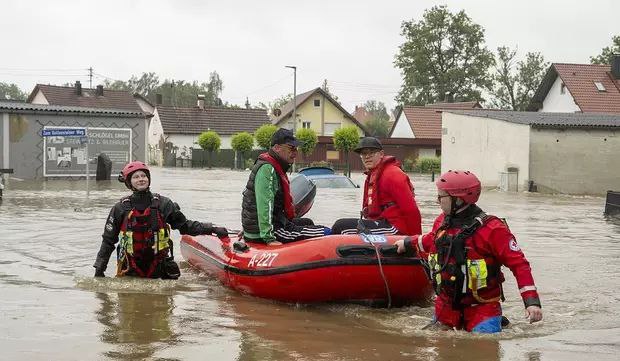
x=586, y=88
x=424, y=122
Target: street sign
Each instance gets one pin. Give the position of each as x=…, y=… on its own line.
x=59, y=132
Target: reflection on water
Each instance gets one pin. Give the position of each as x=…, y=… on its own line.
x=135, y=323
x=52, y=308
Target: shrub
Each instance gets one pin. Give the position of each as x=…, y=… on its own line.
x=429, y=164
x=308, y=139
x=263, y=135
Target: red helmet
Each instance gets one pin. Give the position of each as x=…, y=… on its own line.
x=460, y=183
x=125, y=176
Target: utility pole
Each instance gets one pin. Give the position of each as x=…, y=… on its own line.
x=90, y=77
x=294, y=103
x=294, y=96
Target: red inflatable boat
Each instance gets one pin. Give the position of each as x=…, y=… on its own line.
x=337, y=268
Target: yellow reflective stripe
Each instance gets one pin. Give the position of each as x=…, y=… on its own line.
x=126, y=240
x=478, y=273
x=162, y=239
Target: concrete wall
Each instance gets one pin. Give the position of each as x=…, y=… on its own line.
x=484, y=146
x=402, y=128
x=575, y=161
x=26, y=151
x=558, y=102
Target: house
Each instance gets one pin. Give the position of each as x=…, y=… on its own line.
x=146, y=105
x=424, y=122
x=587, y=88
x=574, y=153
x=77, y=96
x=181, y=127
x=317, y=110
x=120, y=134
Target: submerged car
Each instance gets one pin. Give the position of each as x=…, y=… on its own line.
x=325, y=177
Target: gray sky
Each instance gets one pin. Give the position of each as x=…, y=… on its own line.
x=351, y=43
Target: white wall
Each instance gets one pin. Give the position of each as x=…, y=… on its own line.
x=484, y=146
x=146, y=107
x=558, y=102
x=402, y=128
x=39, y=98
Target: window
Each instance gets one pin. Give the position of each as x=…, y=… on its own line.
x=599, y=86
x=562, y=88
x=305, y=125
x=330, y=128
x=317, y=102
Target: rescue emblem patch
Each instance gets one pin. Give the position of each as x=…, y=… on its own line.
x=109, y=227
x=514, y=246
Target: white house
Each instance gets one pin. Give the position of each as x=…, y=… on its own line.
x=182, y=126
x=573, y=153
x=424, y=122
x=587, y=88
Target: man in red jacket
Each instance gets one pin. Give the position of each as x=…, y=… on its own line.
x=466, y=249
x=389, y=205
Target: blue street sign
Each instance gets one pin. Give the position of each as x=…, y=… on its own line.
x=68, y=132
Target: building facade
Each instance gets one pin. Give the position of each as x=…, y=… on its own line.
x=571, y=153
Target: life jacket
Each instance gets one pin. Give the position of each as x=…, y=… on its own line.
x=458, y=268
x=144, y=240
x=374, y=204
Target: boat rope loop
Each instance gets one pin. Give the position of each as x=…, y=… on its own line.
x=385, y=282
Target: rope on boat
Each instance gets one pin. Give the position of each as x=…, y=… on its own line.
x=387, y=286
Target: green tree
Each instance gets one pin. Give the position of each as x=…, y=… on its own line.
x=308, y=139
x=12, y=92
x=346, y=139
x=514, y=88
x=263, y=135
x=242, y=143
x=378, y=125
x=443, y=58
x=607, y=54
x=209, y=141
x=178, y=93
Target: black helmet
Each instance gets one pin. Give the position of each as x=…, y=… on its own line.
x=368, y=142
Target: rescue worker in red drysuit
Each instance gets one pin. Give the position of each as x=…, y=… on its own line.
x=464, y=238
x=142, y=222
x=389, y=205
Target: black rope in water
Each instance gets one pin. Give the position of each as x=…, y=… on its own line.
x=387, y=286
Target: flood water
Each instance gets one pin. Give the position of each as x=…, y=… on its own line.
x=51, y=308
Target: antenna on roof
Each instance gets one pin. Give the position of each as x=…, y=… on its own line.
x=90, y=77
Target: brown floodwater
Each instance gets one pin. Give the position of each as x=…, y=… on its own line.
x=51, y=308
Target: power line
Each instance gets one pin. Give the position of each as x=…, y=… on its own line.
x=40, y=69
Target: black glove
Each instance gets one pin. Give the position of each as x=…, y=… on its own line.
x=99, y=272
x=220, y=232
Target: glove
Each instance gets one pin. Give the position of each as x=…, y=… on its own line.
x=220, y=232
x=99, y=272
x=327, y=231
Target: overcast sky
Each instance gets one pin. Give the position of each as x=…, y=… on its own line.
x=351, y=43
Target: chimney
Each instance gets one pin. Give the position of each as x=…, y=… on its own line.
x=158, y=99
x=78, y=88
x=201, y=101
x=615, y=66
x=99, y=90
